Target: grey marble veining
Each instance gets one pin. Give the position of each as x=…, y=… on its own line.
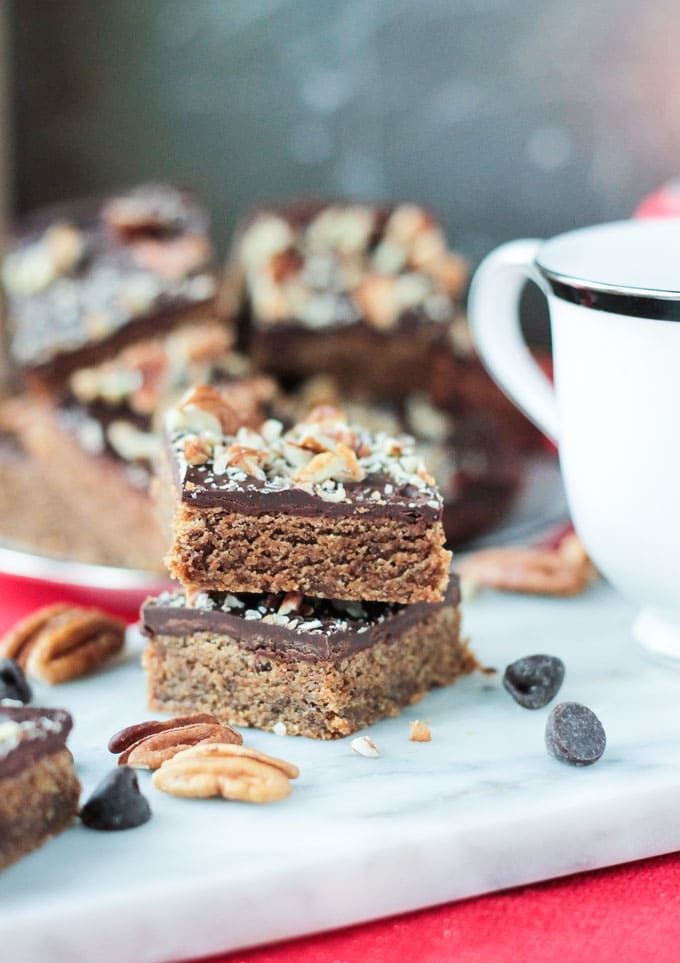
x=480, y=808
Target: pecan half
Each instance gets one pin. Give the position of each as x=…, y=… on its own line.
x=230, y=771
x=148, y=745
x=61, y=642
x=562, y=570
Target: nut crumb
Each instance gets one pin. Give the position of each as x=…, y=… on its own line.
x=365, y=747
x=420, y=732
x=279, y=729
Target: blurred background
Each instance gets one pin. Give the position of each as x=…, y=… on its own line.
x=508, y=117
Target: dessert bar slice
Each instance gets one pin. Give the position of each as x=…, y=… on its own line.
x=39, y=790
x=325, y=508
x=84, y=279
x=318, y=668
x=95, y=446
x=363, y=292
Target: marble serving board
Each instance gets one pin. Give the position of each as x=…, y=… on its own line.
x=480, y=808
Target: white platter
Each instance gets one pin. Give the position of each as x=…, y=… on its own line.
x=480, y=808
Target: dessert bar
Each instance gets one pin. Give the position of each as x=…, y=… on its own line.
x=363, y=292
x=319, y=668
x=325, y=508
x=95, y=446
x=84, y=279
x=39, y=790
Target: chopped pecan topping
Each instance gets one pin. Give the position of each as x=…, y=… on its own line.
x=174, y=258
x=149, y=744
x=285, y=263
x=227, y=770
x=420, y=732
x=562, y=570
x=323, y=413
x=365, y=747
x=375, y=297
x=211, y=401
x=292, y=602
x=197, y=451
x=341, y=465
x=65, y=245
x=61, y=642
x=248, y=460
x=151, y=209
x=452, y=270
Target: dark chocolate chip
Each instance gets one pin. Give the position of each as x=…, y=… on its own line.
x=13, y=684
x=574, y=734
x=534, y=680
x=116, y=803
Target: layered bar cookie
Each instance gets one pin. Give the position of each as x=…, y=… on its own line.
x=319, y=668
x=363, y=292
x=325, y=508
x=39, y=790
x=95, y=445
x=84, y=279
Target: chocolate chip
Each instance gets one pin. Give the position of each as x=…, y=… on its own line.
x=534, y=680
x=13, y=684
x=574, y=734
x=116, y=803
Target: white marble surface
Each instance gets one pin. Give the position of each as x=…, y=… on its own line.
x=480, y=808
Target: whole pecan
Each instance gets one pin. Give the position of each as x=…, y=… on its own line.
x=148, y=745
x=61, y=642
x=221, y=769
x=561, y=570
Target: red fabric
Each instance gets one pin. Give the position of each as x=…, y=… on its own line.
x=664, y=202
x=19, y=596
x=629, y=913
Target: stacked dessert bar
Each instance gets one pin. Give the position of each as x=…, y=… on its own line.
x=369, y=294
x=316, y=593
x=365, y=293
x=112, y=307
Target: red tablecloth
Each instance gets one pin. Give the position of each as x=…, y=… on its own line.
x=618, y=915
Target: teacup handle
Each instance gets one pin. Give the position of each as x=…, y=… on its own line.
x=493, y=308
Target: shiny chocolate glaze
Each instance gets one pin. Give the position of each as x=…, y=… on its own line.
x=28, y=734
x=317, y=630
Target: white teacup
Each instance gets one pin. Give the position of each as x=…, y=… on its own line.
x=614, y=296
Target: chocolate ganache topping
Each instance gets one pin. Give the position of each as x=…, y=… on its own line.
x=27, y=734
x=322, y=465
x=290, y=625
